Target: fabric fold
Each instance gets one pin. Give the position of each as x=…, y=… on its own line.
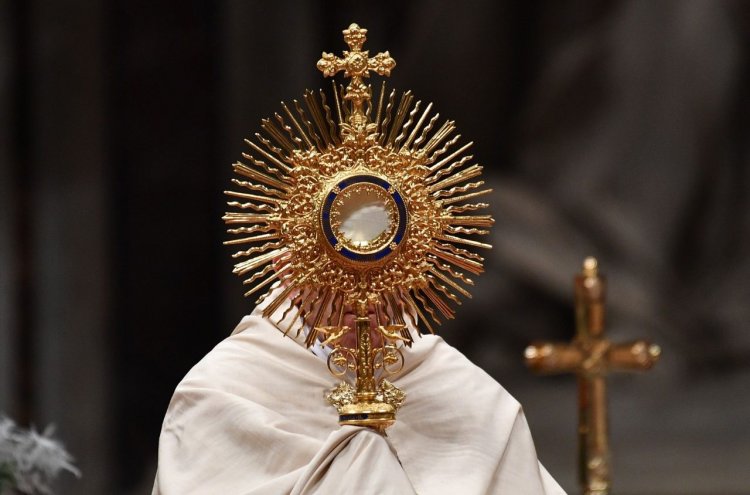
x=354, y=460
x=251, y=418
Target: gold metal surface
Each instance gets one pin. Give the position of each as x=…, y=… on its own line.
x=294, y=185
x=591, y=356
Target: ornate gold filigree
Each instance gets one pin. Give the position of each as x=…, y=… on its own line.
x=391, y=394
x=341, y=395
x=344, y=394
x=305, y=165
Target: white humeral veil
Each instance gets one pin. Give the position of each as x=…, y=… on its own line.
x=250, y=418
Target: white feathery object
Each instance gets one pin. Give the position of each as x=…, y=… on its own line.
x=33, y=460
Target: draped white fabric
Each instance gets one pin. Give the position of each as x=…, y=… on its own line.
x=250, y=418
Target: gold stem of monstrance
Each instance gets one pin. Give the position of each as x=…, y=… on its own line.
x=367, y=409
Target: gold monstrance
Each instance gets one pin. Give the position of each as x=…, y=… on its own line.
x=361, y=208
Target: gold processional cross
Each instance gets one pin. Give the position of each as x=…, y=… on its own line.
x=591, y=356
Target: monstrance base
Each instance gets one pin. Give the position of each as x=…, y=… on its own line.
x=378, y=415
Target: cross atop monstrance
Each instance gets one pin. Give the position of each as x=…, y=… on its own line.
x=356, y=64
x=591, y=356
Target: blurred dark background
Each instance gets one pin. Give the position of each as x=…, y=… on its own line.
x=616, y=129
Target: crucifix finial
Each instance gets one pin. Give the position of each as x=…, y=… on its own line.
x=590, y=267
x=357, y=65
